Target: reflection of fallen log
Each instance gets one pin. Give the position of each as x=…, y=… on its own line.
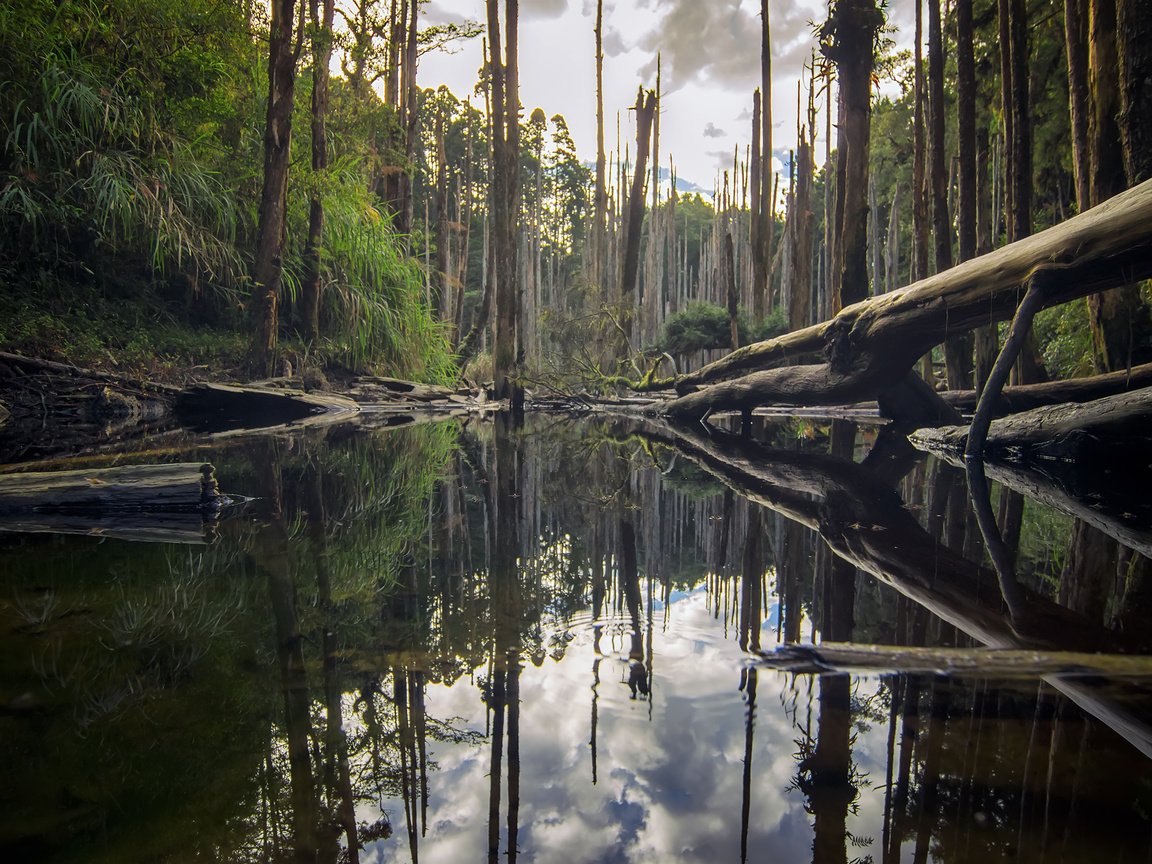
x=160, y=503
x=1000, y=663
x=1091, y=493
x=863, y=520
x=869, y=346
x=222, y=407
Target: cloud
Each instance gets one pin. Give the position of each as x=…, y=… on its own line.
x=718, y=43
x=712, y=131
x=535, y=9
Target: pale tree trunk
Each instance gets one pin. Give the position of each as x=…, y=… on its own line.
x=506, y=198
x=1076, y=47
x=268, y=264
x=600, y=193
x=762, y=290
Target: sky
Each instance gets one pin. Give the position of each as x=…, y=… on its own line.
x=710, y=59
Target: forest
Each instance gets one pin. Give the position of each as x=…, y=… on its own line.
x=240, y=190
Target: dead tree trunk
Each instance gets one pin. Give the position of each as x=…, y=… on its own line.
x=634, y=219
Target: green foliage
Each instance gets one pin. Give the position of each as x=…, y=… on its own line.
x=130, y=154
x=705, y=325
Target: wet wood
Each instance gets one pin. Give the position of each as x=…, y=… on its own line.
x=184, y=487
x=34, y=365
x=870, y=345
x=954, y=662
x=182, y=528
x=1112, y=429
x=1028, y=396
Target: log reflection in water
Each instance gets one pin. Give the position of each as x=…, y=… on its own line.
x=863, y=520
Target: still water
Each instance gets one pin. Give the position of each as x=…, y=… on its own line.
x=450, y=643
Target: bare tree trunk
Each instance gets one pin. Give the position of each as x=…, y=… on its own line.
x=321, y=57
x=634, y=220
x=600, y=194
x=762, y=291
x=268, y=265
x=803, y=219
x=1134, y=54
x=1111, y=314
x=853, y=26
x=1076, y=46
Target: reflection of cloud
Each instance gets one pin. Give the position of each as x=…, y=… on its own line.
x=712, y=131
x=669, y=781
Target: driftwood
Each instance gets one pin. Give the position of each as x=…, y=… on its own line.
x=35, y=365
x=225, y=407
x=1000, y=663
x=174, y=503
x=870, y=346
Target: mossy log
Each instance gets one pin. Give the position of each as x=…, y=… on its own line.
x=870, y=346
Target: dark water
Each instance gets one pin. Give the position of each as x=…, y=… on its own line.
x=445, y=644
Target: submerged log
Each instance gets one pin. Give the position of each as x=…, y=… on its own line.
x=1001, y=663
x=868, y=347
x=182, y=487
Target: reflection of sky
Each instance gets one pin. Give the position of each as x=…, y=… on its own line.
x=669, y=773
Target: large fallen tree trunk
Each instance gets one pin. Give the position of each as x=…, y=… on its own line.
x=175, y=488
x=227, y=407
x=870, y=346
x=1115, y=429
x=175, y=503
x=1025, y=397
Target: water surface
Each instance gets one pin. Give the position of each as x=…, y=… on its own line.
x=449, y=644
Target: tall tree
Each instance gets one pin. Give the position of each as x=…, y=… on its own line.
x=322, y=17
x=634, y=216
x=1134, y=55
x=505, y=196
x=848, y=39
x=762, y=290
x=958, y=349
x=268, y=263
x=600, y=196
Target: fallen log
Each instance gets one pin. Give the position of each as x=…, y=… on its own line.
x=1025, y=397
x=182, y=487
x=869, y=346
x=176, y=503
x=1001, y=663
x=1114, y=429
x=223, y=407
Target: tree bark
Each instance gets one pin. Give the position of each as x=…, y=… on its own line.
x=634, y=217
x=268, y=263
x=872, y=344
x=1134, y=54
x=850, y=37
x=322, y=18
